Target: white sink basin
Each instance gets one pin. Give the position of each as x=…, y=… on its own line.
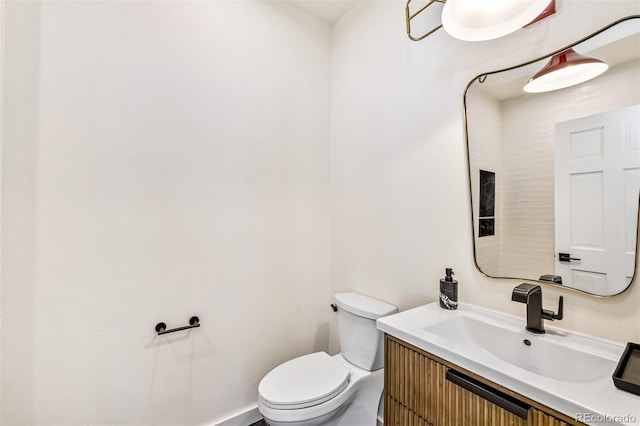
x=566, y=371
x=556, y=356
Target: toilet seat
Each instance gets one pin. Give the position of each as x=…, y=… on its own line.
x=304, y=382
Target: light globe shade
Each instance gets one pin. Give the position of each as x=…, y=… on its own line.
x=565, y=69
x=477, y=20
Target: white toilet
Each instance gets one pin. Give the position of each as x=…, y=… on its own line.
x=345, y=389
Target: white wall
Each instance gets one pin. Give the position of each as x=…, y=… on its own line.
x=161, y=160
x=400, y=203
x=2, y=63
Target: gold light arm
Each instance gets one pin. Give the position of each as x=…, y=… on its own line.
x=410, y=16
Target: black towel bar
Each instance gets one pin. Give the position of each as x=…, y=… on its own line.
x=161, y=328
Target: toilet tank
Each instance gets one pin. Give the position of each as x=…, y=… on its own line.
x=361, y=343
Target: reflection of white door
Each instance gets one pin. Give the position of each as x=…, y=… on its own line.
x=597, y=182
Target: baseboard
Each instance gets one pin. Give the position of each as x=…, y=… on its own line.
x=244, y=418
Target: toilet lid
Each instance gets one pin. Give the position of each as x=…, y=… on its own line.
x=303, y=382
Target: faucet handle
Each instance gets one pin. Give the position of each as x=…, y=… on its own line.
x=560, y=313
x=550, y=315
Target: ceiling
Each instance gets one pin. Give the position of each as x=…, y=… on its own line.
x=328, y=11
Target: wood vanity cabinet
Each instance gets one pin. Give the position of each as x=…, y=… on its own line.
x=419, y=391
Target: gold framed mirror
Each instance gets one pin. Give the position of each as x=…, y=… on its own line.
x=554, y=177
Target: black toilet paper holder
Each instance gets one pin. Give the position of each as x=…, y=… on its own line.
x=161, y=328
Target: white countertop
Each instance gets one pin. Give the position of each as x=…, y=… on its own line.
x=595, y=401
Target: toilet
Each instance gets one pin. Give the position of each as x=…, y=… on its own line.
x=344, y=389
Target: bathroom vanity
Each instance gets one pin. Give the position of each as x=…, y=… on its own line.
x=474, y=367
x=419, y=393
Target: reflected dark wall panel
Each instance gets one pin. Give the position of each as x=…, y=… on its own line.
x=486, y=223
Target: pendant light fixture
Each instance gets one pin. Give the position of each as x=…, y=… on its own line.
x=565, y=69
x=477, y=20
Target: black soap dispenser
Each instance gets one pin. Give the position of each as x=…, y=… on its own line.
x=449, y=291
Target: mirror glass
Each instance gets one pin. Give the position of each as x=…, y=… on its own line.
x=555, y=176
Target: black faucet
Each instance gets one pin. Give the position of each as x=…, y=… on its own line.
x=531, y=294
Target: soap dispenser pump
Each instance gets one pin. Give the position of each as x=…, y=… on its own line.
x=449, y=291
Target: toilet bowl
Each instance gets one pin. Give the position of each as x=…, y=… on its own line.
x=340, y=390
x=360, y=394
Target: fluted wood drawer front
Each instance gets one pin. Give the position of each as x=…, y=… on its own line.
x=415, y=381
x=398, y=414
x=417, y=392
